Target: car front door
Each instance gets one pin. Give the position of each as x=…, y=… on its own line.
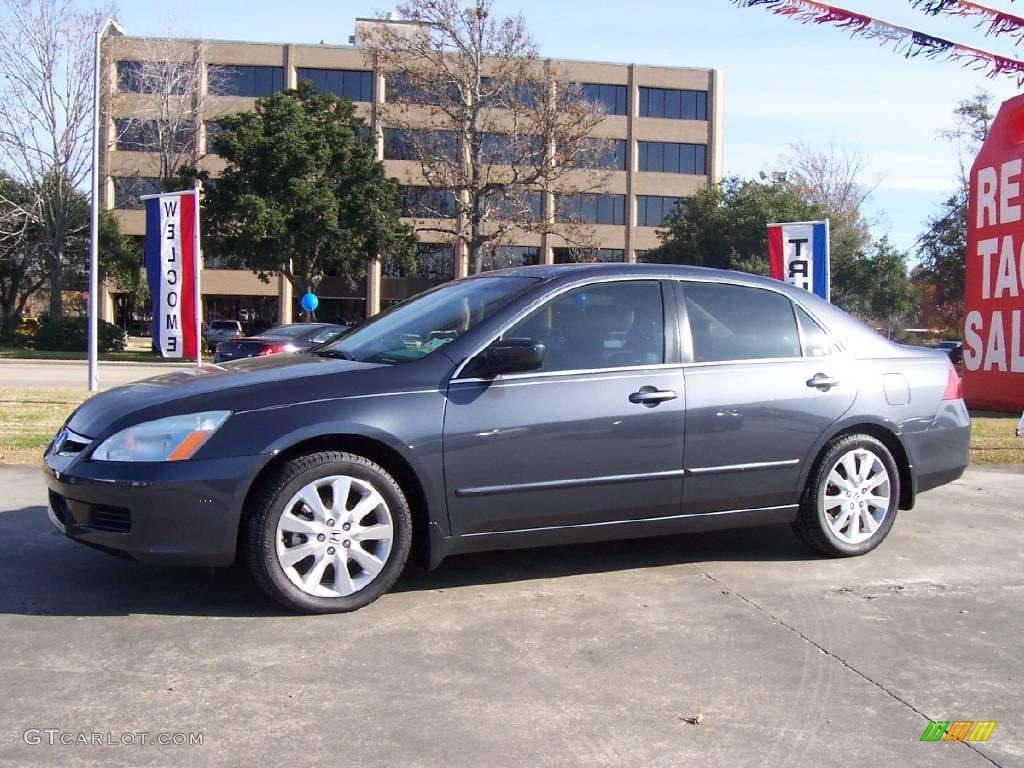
x=765, y=382
x=595, y=435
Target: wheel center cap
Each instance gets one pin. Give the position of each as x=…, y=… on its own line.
x=334, y=537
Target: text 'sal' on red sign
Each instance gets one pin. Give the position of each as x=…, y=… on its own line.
x=993, y=351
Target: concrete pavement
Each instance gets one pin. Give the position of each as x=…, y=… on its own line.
x=74, y=374
x=567, y=656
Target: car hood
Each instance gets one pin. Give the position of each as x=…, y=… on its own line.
x=244, y=384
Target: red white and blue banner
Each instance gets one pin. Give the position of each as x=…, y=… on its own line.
x=798, y=254
x=172, y=271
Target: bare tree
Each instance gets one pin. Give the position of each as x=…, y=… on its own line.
x=499, y=135
x=833, y=177
x=46, y=62
x=159, y=99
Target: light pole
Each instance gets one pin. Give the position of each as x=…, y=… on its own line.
x=94, y=269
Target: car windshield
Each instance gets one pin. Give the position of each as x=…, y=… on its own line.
x=425, y=323
x=219, y=325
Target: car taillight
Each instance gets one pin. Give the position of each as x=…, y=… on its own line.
x=273, y=349
x=953, y=390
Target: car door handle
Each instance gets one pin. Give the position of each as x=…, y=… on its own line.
x=650, y=397
x=822, y=382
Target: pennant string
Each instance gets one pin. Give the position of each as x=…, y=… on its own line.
x=998, y=22
x=907, y=42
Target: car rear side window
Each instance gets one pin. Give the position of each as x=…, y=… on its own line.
x=816, y=342
x=737, y=322
x=605, y=325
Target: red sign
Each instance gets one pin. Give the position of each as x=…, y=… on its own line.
x=993, y=352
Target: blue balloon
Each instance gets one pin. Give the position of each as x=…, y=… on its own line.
x=309, y=302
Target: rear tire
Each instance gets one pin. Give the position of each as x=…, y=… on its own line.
x=850, y=502
x=329, y=533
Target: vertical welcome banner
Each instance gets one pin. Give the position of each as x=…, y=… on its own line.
x=798, y=254
x=172, y=270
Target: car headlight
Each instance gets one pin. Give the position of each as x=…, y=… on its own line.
x=172, y=439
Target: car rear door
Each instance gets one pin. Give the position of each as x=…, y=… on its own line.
x=764, y=383
x=594, y=436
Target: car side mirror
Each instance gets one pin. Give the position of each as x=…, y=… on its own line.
x=506, y=356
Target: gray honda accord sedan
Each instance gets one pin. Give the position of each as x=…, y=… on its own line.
x=516, y=408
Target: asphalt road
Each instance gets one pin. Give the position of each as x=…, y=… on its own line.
x=74, y=374
x=570, y=656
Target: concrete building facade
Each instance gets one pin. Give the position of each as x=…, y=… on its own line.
x=666, y=122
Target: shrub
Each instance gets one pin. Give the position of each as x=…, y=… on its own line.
x=71, y=334
x=26, y=331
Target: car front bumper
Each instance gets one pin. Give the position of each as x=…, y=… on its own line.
x=172, y=513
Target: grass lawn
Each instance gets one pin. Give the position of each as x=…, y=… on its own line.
x=30, y=417
x=28, y=420
x=129, y=355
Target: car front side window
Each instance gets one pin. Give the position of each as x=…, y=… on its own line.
x=603, y=325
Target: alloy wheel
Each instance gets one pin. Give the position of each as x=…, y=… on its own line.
x=857, y=496
x=334, y=536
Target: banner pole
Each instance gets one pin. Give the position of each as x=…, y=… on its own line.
x=828, y=262
x=196, y=267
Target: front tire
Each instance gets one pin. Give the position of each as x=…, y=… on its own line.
x=851, y=499
x=329, y=533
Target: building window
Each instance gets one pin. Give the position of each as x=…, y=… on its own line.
x=351, y=84
x=144, y=136
x=400, y=89
x=426, y=202
x=611, y=97
x=502, y=94
x=233, y=80
x=152, y=77
x=514, y=204
x=507, y=256
x=673, y=104
x=591, y=209
x=652, y=210
x=213, y=127
x=588, y=255
x=407, y=144
x=434, y=261
x=128, y=189
x=668, y=157
x=508, y=149
x=609, y=154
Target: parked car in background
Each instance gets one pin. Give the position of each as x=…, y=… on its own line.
x=515, y=408
x=221, y=330
x=955, y=350
x=284, y=338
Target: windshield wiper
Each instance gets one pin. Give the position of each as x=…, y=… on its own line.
x=337, y=353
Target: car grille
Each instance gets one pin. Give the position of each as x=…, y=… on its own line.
x=98, y=517
x=68, y=443
x=112, y=519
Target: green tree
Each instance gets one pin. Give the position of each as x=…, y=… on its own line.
x=302, y=194
x=724, y=226
x=120, y=260
x=887, y=295
x=942, y=247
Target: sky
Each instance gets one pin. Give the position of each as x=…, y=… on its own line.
x=784, y=82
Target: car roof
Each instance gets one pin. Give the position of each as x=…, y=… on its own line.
x=573, y=272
